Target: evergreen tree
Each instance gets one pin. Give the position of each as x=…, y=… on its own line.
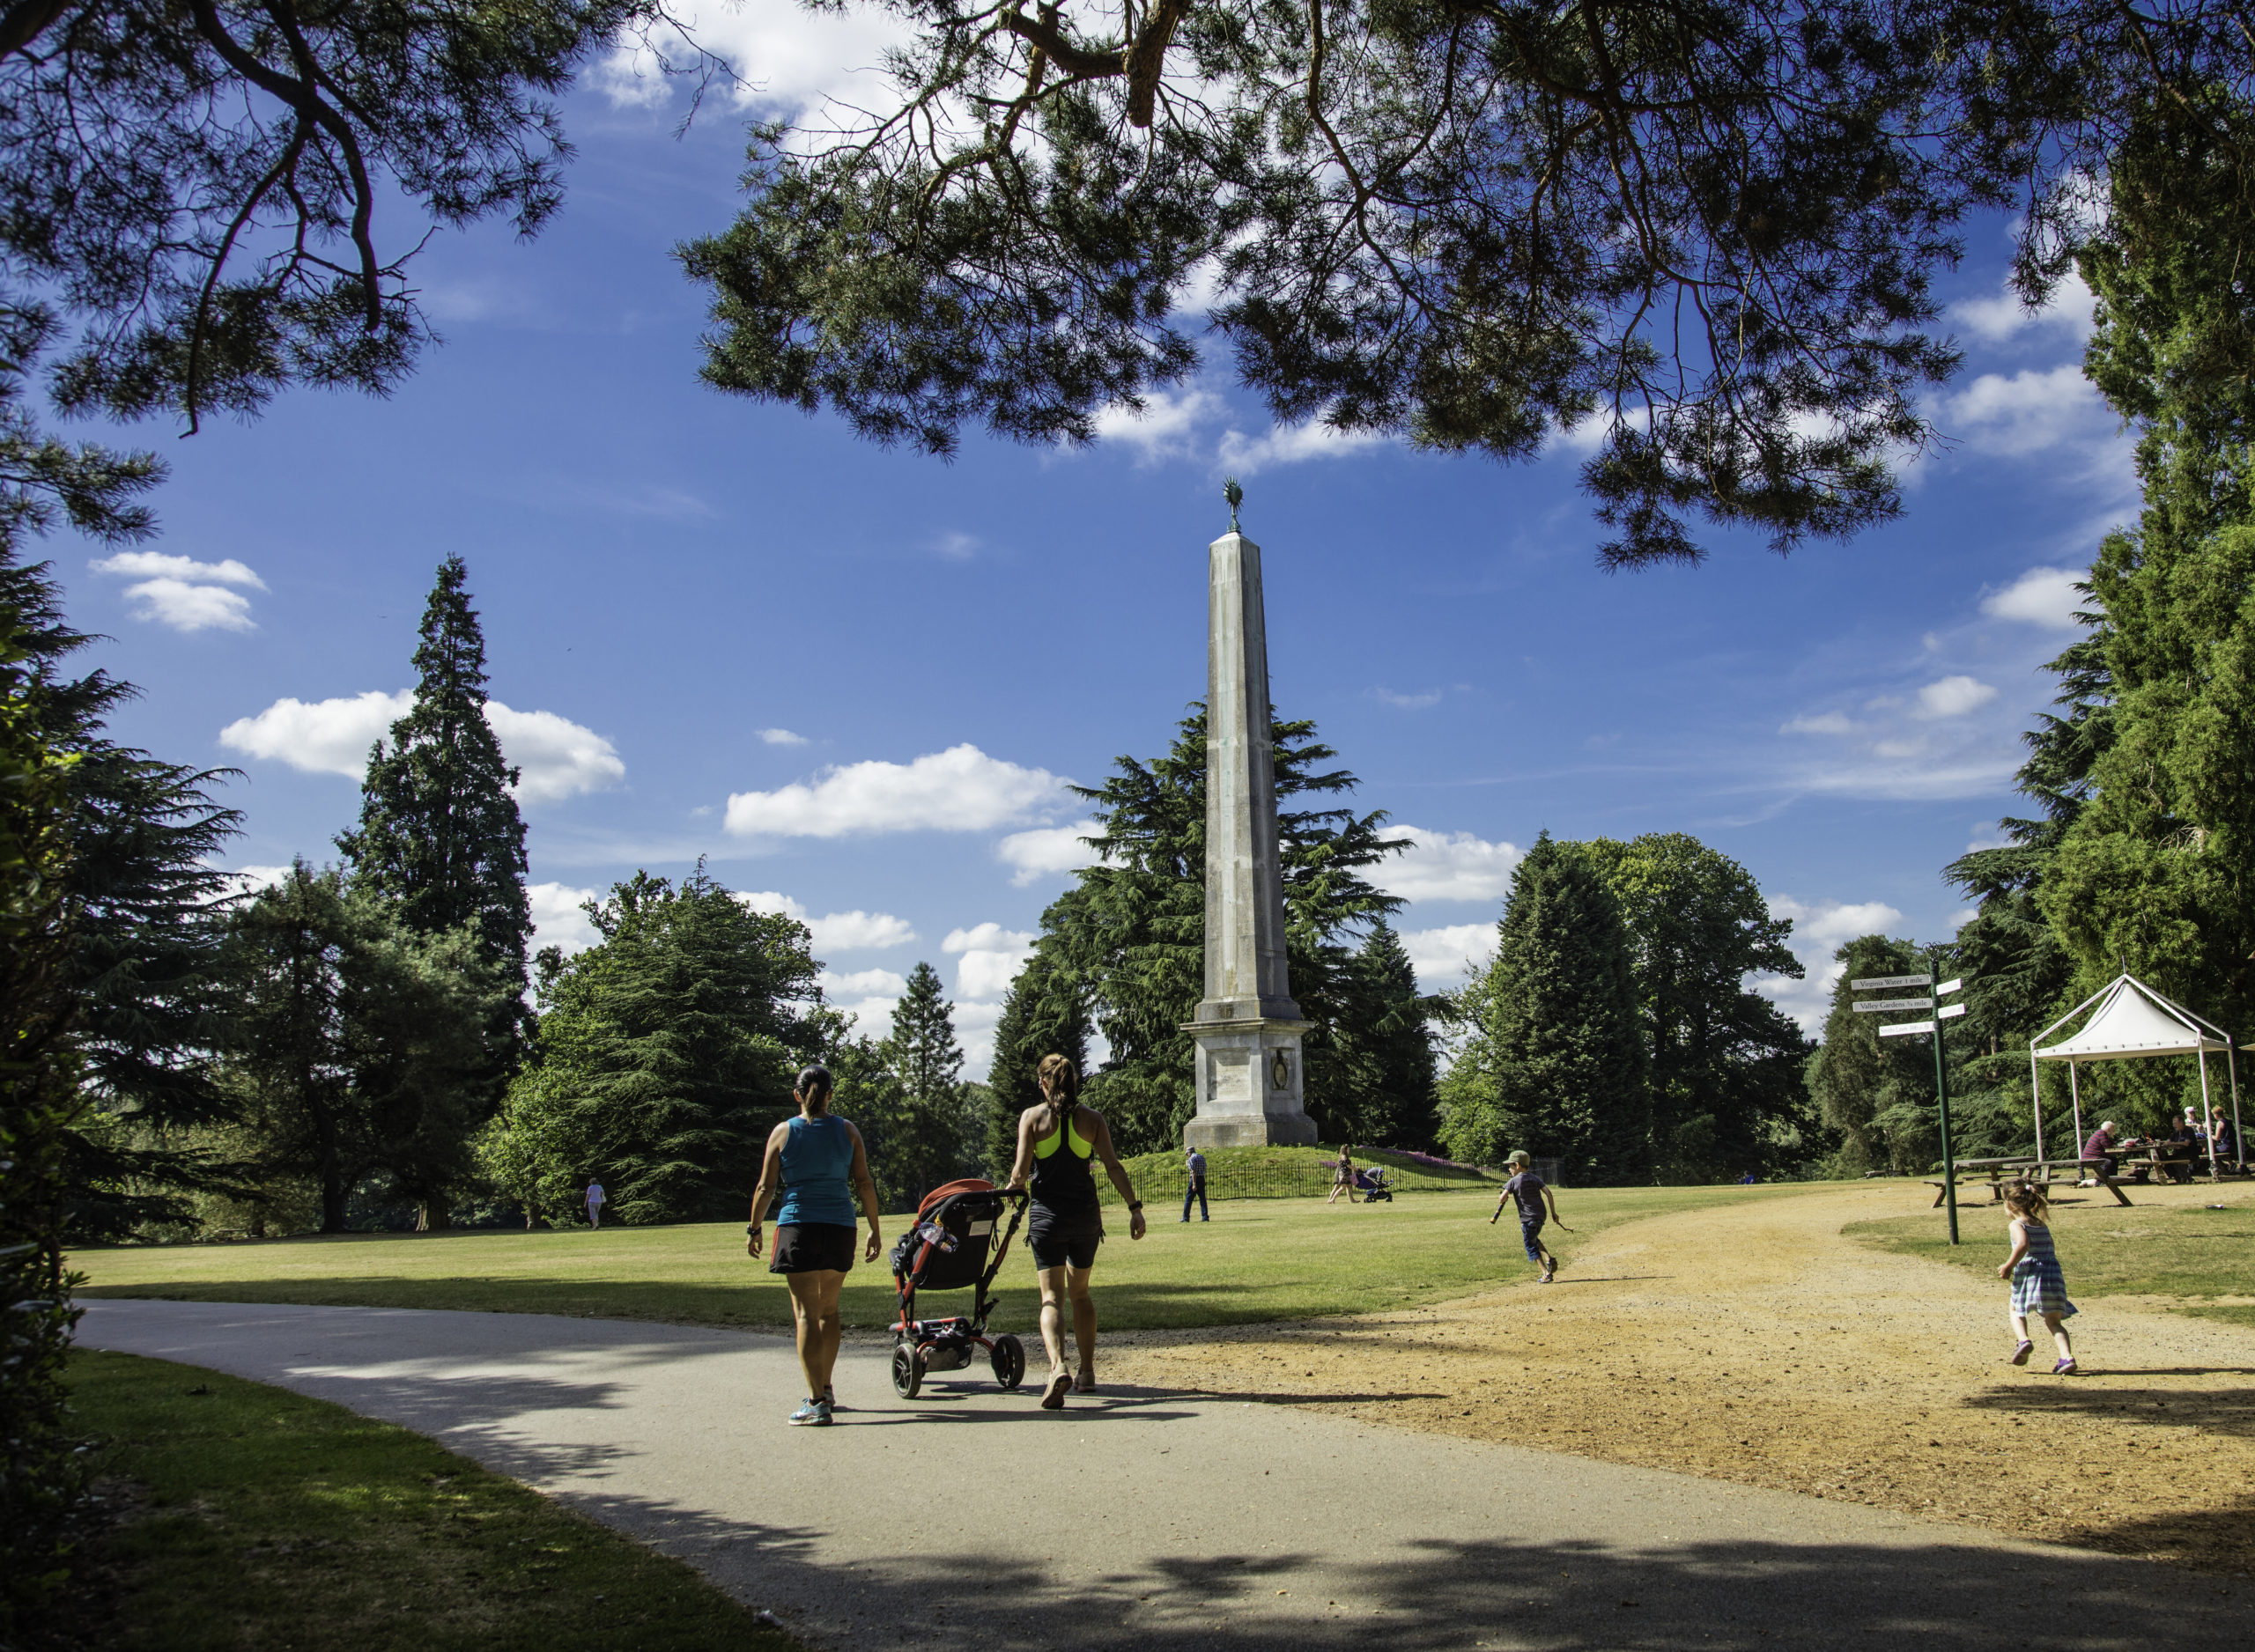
x=355, y=1038
x=923, y=1135
x=40, y=1476
x=440, y=834
x=1045, y=1012
x=1727, y=1095
x=1131, y=933
x=1555, y=1061
x=665, y=1053
x=2156, y=869
x=1386, y=1047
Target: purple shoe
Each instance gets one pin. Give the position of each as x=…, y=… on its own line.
x=2020, y=1354
x=2065, y=1368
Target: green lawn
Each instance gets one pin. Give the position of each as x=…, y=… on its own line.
x=2180, y=1249
x=1259, y=1259
x=259, y=1518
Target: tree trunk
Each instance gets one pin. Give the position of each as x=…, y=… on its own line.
x=431, y=1216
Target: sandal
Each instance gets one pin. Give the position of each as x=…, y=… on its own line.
x=2020, y=1354
x=1053, y=1397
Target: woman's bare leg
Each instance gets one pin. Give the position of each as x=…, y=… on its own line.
x=806, y=1320
x=2053, y=1324
x=1076, y=1283
x=827, y=1330
x=1053, y=1316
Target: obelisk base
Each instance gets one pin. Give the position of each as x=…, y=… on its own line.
x=1249, y=1089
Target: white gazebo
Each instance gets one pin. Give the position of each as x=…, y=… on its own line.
x=2132, y=1021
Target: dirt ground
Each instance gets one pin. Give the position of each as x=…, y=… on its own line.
x=1757, y=1344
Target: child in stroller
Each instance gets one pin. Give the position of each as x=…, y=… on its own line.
x=947, y=1249
x=1374, y=1186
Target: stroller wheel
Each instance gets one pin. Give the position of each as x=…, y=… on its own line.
x=907, y=1371
x=1008, y=1360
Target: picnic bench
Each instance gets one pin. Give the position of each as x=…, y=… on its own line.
x=1999, y=1172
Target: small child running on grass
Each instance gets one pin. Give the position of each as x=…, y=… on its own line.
x=1529, y=1191
x=2038, y=1286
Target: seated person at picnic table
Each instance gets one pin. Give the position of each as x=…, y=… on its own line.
x=2225, y=1140
x=2100, y=1146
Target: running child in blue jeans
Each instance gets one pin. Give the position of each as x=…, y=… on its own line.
x=1530, y=1192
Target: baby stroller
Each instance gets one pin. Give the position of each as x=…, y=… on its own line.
x=947, y=1251
x=1373, y=1186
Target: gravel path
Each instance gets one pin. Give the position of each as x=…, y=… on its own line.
x=1756, y=1344
x=1155, y=1518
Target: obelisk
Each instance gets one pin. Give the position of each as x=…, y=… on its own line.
x=1247, y=1028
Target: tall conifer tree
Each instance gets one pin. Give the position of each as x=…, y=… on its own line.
x=924, y=1141
x=440, y=834
x=1386, y=1047
x=1556, y=1064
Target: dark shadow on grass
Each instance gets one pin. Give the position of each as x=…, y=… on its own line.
x=1446, y=1594
x=2231, y=1412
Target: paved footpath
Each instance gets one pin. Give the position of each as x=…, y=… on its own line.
x=1158, y=1519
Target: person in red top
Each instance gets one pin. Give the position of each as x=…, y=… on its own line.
x=2101, y=1147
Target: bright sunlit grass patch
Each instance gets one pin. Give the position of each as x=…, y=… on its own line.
x=1259, y=1259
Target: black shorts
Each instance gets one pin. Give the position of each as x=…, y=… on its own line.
x=811, y=1247
x=1057, y=1240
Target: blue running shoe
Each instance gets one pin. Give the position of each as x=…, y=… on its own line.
x=813, y=1411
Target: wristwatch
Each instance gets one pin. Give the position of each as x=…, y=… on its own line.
x=1134, y=1204
x=752, y=1228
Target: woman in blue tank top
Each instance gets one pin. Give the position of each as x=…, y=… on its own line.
x=819, y=1161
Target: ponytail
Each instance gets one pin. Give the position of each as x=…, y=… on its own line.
x=1061, y=1087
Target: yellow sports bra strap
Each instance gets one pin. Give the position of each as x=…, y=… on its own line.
x=1082, y=1147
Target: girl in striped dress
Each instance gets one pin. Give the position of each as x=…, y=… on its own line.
x=2038, y=1286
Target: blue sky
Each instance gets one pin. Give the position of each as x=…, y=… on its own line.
x=856, y=679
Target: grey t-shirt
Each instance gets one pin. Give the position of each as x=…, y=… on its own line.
x=1525, y=1190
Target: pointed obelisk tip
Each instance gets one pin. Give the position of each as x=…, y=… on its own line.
x=1235, y=494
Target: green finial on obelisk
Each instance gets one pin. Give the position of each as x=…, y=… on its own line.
x=1235, y=494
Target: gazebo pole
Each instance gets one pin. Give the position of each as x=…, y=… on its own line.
x=2075, y=1096
x=2208, y=1117
x=2035, y=1093
x=2238, y=1141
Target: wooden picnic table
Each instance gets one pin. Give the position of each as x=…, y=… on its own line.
x=2040, y=1170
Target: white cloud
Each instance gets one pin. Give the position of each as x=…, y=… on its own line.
x=960, y=789
x=1445, y=867
x=1819, y=930
x=321, y=736
x=992, y=958
x=1448, y=957
x=1294, y=444
x=1167, y=426
x=2001, y=316
x=2042, y=596
x=1953, y=696
x=783, y=737
x=1047, y=852
x=862, y=983
x=792, y=59
x=2031, y=412
x=856, y=930
x=250, y=880
x=559, y=758
x=191, y=608
x=157, y=565
x=556, y=919
x=1823, y=723
x=1407, y=702
x=182, y=593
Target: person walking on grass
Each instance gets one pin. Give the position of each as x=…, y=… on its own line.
x=1058, y=1142
x=595, y=1204
x=1195, y=1163
x=819, y=1161
x=1529, y=1191
x=2038, y=1286
x=1342, y=1178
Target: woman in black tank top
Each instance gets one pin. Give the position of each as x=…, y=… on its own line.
x=1059, y=1143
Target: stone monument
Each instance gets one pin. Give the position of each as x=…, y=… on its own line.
x=1247, y=1028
